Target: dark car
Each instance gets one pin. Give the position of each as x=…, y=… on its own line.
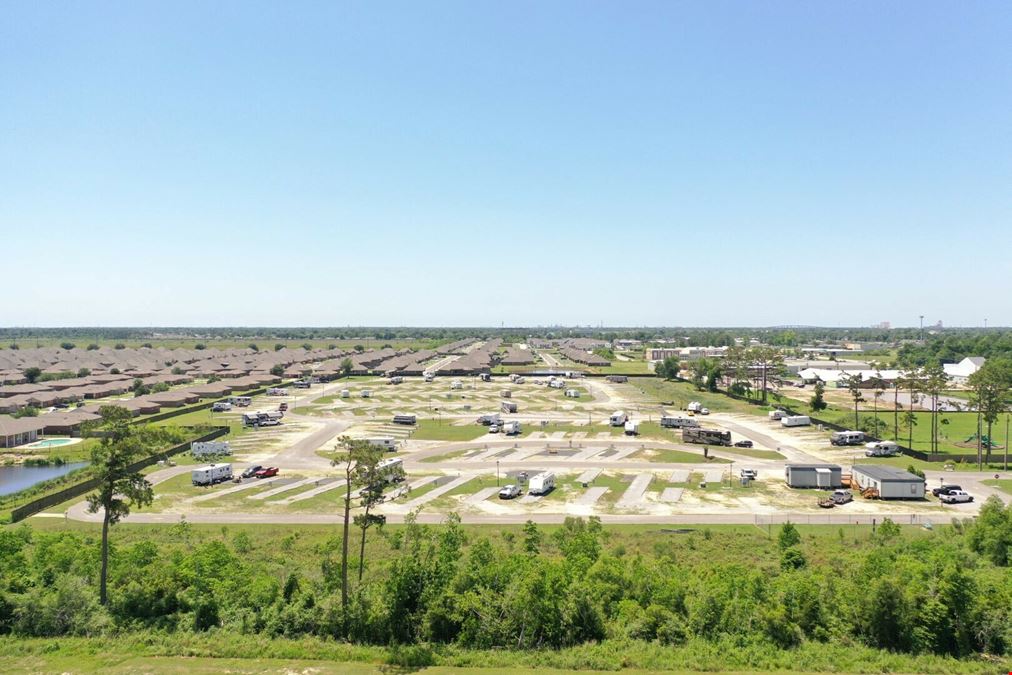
x=267, y=473
x=945, y=489
x=743, y=444
x=251, y=471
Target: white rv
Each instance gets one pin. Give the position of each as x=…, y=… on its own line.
x=847, y=438
x=391, y=469
x=240, y=401
x=572, y=393
x=203, y=449
x=881, y=449
x=345, y=393
x=541, y=483
x=618, y=419
x=456, y=384
x=512, y=429
x=776, y=415
x=429, y=377
x=671, y=422
x=366, y=393
x=396, y=379
x=211, y=474
x=795, y=420
x=220, y=406
x=694, y=406
x=632, y=428
x=384, y=442
x=277, y=391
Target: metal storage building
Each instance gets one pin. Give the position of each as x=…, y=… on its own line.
x=825, y=476
x=891, y=483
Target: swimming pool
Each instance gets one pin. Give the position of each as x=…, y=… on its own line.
x=51, y=443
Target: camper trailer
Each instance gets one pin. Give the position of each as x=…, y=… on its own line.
x=383, y=442
x=277, y=391
x=405, y=419
x=672, y=422
x=512, y=429
x=488, y=420
x=795, y=421
x=706, y=436
x=221, y=406
x=429, y=377
x=777, y=415
x=632, y=428
x=572, y=393
x=618, y=419
x=541, y=483
x=506, y=393
x=456, y=384
x=366, y=393
x=508, y=407
x=396, y=379
x=210, y=448
x=211, y=474
x=345, y=393
x=881, y=449
x=694, y=406
x=847, y=438
x=240, y=401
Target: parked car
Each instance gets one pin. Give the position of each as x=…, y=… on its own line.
x=944, y=490
x=251, y=471
x=509, y=492
x=743, y=444
x=269, y=472
x=956, y=497
x=704, y=411
x=842, y=496
x=494, y=429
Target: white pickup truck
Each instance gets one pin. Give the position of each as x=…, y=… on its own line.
x=956, y=497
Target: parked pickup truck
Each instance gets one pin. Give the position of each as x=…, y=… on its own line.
x=944, y=490
x=269, y=472
x=509, y=492
x=956, y=497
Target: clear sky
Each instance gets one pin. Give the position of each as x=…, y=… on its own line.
x=472, y=163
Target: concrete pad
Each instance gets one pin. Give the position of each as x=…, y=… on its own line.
x=522, y=453
x=577, y=435
x=622, y=454
x=332, y=485
x=590, y=497
x=588, y=475
x=679, y=476
x=713, y=475
x=285, y=488
x=587, y=454
x=536, y=435
x=671, y=494
x=248, y=484
x=603, y=434
x=437, y=492
x=481, y=495
x=634, y=493
x=557, y=435
x=530, y=499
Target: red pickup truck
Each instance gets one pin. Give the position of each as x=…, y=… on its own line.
x=269, y=472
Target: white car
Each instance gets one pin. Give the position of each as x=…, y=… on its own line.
x=493, y=428
x=704, y=411
x=509, y=492
x=956, y=497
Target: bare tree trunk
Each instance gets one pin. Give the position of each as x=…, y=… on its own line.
x=896, y=412
x=103, y=595
x=361, y=547
x=344, y=543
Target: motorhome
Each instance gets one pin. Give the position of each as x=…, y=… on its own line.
x=847, y=438
x=672, y=422
x=211, y=474
x=541, y=483
x=694, y=406
x=277, y=391
x=508, y=407
x=706, y=436
x=302, y=384
x=512, y=429
x=405, y=419
x=795, y=421
x=391, y=469
x=618, y=419
x=556, y=384
x=488, y=420
x=396, y=379
x=632, y=428
x=383, y=442
x=881, y=449
x=240, y=401
x=221, y=406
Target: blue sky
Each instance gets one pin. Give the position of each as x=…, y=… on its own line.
x=473, y=163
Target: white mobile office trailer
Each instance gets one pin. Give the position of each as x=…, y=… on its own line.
x=541, y=483
x=618, y=419
x=211, y=474
x=203, y=449
x=795, y=421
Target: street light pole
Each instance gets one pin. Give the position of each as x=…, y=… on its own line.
x=497, y=473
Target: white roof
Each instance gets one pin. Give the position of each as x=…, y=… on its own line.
x=965, y=368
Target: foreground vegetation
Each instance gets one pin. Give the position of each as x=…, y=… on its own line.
x=574, y=596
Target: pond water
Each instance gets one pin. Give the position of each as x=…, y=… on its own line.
x=16, y=478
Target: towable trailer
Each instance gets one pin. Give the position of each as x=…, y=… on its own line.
x=706, y=436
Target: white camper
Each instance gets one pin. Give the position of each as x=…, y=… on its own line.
x=672, y=422
x=881, y=449
x=632, y=428
x=618, y=419
x=512, y=429
x=572, y=393
x=456, y=384
x=211, y=474
x=428, y=377
x=847, y=438
x=391, y=469
x=541, y=483
x=384, y=442
x=366, y=393
x=206, y=448
x=776, y=415
x=694, y=406
x=795, y=420
x=277, y=391
x=345, y=393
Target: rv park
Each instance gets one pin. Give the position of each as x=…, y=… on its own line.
x=496, y=432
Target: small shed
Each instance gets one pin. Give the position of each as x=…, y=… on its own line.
x=891, y=483
x=823, y=476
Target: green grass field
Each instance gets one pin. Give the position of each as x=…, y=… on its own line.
x=444, y=430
